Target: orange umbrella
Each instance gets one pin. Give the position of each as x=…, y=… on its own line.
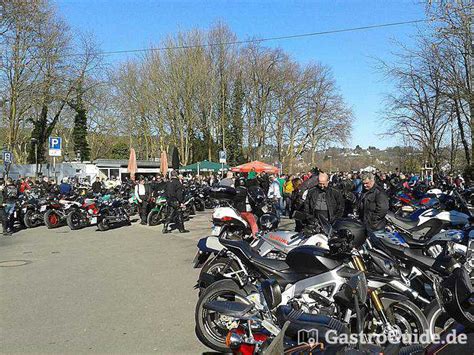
x=164, y=163
x=258, y=166
x=132, y=164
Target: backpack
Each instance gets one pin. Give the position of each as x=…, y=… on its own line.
x=11, y=191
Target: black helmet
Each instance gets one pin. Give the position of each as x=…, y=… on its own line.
x=350, y=229
x=240, y=182
x=268, y=221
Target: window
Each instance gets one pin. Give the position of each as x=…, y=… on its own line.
x=114, y=172
x=105, y=172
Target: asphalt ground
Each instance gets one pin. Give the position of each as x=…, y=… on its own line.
x=127, y=290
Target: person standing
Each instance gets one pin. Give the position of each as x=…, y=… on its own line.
x=159, y=187
x=374, y=204
x=65, y=188
x=228, y=180
x=142, y=194
x=10, y=195
x=175, y=200
x=282, y=182
x=287, y=192
x=97, y=186
x=274, y=194
x=2, y=210
x=324, y=201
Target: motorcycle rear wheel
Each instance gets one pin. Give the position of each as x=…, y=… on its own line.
x=103, y=225
x=52, y=219
x=215, y=267
x=30, y=220
x=211, y=329
x=74, y=220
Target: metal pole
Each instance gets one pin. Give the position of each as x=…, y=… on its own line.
x=36, y=159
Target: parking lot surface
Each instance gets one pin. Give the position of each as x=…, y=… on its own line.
x=127, y=290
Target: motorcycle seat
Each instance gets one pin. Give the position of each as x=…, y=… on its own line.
x=252, y=255
x=402, y=222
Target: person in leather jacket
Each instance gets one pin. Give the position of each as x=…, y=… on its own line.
x=175, y=199
x=324, y=201
x=373, y=205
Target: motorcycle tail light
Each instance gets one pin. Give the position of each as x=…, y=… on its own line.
x=226, y=219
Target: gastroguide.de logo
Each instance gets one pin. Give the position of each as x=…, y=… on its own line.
x=312, y=338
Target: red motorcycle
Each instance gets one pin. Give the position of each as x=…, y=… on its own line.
x=84, y=216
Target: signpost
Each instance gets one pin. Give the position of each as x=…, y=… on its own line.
x=7, y=160
x=55, y=150
x=222, y=160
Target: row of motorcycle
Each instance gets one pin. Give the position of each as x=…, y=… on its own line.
x=109, y=209
x=271, y=291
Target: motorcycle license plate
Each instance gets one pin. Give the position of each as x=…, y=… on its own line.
x=216, y=230
x=42, y=208
x=93, y=220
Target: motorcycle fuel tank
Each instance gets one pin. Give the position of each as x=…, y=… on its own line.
x=311, y=260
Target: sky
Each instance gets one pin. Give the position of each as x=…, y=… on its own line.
x=136, y=24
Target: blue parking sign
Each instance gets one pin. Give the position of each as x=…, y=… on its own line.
x=55, y=143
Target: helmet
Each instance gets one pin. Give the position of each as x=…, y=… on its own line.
x=268, y=221
x=350, y=229
x=240, y=182
x=256, y=195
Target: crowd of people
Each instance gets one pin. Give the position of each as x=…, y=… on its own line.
x=315, y=193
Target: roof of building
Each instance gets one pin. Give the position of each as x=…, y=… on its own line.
x=119, y=163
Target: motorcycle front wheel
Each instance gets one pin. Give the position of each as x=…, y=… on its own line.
x=155, y=217
x=405, y=316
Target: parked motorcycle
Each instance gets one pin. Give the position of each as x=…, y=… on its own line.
x=112, y=212
x=159, y=212
x=84, y=216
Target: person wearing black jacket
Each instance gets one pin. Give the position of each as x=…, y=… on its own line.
x=175, y=199
x=158, y=186
x=97, y=186
x=373, y=204
x=10, y=196
x=323, y=201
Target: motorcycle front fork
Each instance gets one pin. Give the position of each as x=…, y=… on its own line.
x=374, y=294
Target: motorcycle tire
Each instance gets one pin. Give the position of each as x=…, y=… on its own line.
x=29, y=219
x=405, y=313
x=154, y=217
x=103, y=225
x=192, y=210
x=216, y=267
x=52, y=219
x=437, y=318
x=209, y=204
x=215, y=338
x=199, y=205
x=74, y=220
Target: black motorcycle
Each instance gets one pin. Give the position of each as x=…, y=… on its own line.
x=111, y=213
